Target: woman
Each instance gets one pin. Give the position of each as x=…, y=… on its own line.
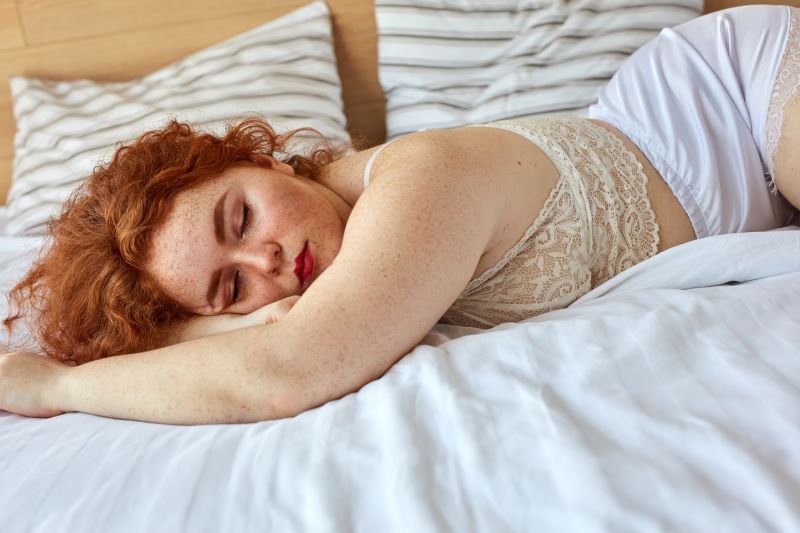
x=476, y=226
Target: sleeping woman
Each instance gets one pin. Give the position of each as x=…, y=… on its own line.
x=237, y=286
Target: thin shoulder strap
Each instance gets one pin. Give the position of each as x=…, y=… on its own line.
x=372, y=160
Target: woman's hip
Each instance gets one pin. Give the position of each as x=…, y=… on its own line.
x=696, y=100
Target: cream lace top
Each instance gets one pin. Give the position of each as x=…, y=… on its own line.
x=787, y=82
x=596, y=222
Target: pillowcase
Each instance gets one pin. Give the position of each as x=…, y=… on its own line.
x=447, y=63
x=66, y=128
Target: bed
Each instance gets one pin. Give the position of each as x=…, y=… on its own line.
x=666, y=399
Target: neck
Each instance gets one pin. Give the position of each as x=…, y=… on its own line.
x=345, y=176
x=340, y=204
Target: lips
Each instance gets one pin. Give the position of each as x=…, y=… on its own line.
x=304, y=264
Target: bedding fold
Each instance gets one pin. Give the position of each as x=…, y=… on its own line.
x=664, y=400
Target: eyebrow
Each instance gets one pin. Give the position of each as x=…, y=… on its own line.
x=219, y=233
x=219, y=214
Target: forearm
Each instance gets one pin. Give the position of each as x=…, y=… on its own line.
x=218, y=379
x=200, y=326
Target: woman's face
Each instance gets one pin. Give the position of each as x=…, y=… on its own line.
x=248, y=238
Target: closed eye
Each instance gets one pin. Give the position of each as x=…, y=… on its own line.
x=245, y=219
x=236, y=287
x=237, y=281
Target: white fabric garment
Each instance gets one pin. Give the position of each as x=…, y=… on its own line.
x=372, y=158
x=663, y=400
x=695, y=101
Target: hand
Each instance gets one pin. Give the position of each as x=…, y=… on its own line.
x=269, y=313
x=28, y=382
x=205, y=325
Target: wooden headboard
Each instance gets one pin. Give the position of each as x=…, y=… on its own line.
x=124, y=39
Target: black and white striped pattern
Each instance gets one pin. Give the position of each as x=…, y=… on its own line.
x=447, y=63
x=284, y=71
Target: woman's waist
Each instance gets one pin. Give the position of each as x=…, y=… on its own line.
x=588, y=151
x=618, y=196
x=674, y=224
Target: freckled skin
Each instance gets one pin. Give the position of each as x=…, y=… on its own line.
x=285, y=212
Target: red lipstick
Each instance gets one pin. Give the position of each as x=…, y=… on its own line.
x=304, y=264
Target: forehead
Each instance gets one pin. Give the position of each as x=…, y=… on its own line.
x=193, y=204
x=213, y=187
x=183, y=248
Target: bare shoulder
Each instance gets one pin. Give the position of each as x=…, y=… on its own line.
x=436, y=202
x=418, y=231
x=411, y=245
x=443, y=180
x=479, y=153
x=511, y=175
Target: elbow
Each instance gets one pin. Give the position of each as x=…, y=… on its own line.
x=271, y=396
x=284, y=406
x=259, y=407
x=293, y=401
x=284, y=387
x=265, y=400
x=290, y=401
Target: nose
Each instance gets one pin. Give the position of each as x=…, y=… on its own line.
x=262, y=259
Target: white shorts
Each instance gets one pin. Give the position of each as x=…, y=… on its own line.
x=696, y=100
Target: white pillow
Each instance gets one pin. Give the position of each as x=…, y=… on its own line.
x=284, y=71
x=447, y=63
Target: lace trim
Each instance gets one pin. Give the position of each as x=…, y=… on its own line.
x=596, y=222
x=635, y=215
x=555, y=197
x=787, y=82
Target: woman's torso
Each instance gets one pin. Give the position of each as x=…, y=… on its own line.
x=608, y=210
x=525, y=181
x=529, y=196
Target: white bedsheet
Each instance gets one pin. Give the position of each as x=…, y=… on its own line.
x=662, y=401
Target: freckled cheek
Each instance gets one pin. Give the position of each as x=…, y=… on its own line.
x=194, y=266
x=261, y=294
x=185, y=283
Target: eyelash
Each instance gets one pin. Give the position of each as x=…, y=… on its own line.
x=245, y=219
x=245, y=222
x=236, y=286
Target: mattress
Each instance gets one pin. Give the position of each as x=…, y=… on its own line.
x=667, y=399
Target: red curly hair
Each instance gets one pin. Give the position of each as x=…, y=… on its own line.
x=88, y=294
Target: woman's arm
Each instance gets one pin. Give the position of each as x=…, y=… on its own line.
x=39, y=386
x=411, y=245
x=200, y=326
x=216, y=379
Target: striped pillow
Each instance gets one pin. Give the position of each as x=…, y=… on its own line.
x=64, y=129
x=447, y=63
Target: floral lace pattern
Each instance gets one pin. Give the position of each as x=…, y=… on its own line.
x=787, y=82
x=596, y=222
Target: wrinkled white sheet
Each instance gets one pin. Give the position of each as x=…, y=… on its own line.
x=664, y=400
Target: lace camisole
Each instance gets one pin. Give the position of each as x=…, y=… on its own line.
x=596, y=222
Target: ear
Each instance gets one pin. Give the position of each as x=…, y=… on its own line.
x=280, y=166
